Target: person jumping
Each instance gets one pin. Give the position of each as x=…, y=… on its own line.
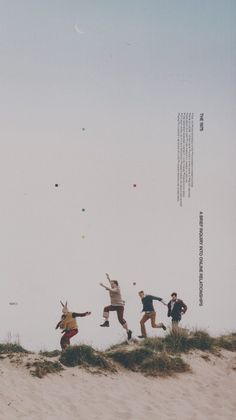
x=69, y=325
x=117, y=304
x=149, y=313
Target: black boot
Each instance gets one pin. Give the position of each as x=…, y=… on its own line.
x=105, y=324
x=129, y=334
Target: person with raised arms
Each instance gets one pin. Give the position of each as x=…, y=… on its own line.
x=117, y=305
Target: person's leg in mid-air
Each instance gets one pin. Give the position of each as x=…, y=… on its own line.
x=65, y=342
x=120, y=311
x=65, y=339
x=144, y=319
x=152, y=317
x=122, y=321
x=153, y=321
x=106, y=311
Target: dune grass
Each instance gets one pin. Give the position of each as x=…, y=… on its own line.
x=181, y=341
x=84, y=355
x=130, y=359
x=162, y=364
x=8, y=348
x=116, y=346
x=162, y=355
x=149, y=361
x=157, y=356
x=41, y=368
x=227, y=342
x=52, y=353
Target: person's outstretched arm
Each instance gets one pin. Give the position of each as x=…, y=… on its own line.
x=105, y=287
x=160, y=299
x=108, y=278
x=75, y=314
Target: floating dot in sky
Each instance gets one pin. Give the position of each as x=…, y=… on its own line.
x=56, y=185
x=134, y=283
x=13, y=303
x=134, y=185
x=83, y=209
x=83, y=237
x=83, y=129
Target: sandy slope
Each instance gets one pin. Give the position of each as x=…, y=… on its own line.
x=206, y=393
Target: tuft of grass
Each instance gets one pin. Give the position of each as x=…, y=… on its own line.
x=117, y=346
x=84, y=355
x=227, y=342
x=53, y=353
x=154, y=343
x=9, y=348
x=162, y=364
x=181, y=341
x=149, y=361
x=200, y=339
x=177, y=341
x=44, y=367
x=131, y=359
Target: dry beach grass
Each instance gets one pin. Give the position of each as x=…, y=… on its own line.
x=155, y=378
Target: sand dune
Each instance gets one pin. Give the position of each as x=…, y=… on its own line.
x=208, y=392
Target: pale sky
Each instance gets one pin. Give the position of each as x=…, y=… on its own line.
x=121, y=71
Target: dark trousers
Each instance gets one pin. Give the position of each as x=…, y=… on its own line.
x=65, y=339
x=119, y=310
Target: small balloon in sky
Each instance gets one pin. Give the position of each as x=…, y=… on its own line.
x=134, y=283
x=83, y=209
x=134, y=185
x=56, y=185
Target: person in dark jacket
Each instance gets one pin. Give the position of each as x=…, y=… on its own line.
x=176, y=308
x=149, y=313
